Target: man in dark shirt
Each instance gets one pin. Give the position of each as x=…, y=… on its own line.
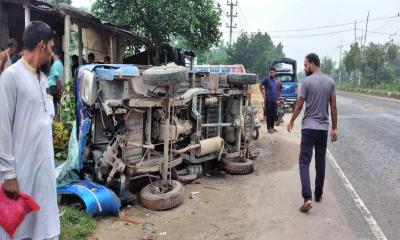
x=271, y=89
x=318, y=92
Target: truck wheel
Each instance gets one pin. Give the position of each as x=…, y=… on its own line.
x=165, y=75
x=255, y=134
x=238, y=166
x=186, y=178
x=242, y=78
x=152, y=198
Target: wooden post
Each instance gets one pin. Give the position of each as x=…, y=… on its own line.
x=27, y=12
x=80, y=45
x=67, y=57
x=112, y=49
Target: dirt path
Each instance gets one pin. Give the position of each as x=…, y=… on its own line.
x=263, y=205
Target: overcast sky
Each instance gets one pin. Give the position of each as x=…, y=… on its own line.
x=272, y=16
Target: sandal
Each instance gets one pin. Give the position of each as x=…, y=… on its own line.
x=306, y=206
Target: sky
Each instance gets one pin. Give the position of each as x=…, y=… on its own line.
x=274, y=16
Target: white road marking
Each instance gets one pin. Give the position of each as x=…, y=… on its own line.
x=373, y=225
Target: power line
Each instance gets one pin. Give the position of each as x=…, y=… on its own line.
x=314, y=35
x=380, y=33
x=333, y=26
x=244, y=18
x=385, y=23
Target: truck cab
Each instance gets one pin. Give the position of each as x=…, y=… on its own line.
x=286, y=69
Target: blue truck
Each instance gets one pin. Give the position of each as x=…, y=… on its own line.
x=286, y=69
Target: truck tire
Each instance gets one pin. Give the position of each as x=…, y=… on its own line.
x=187, y=178
x=157, y=201
x=165, y=75
x=238, y=166
x=242, y=78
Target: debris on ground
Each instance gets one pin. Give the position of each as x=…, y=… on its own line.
x=147, y=226
x=213, y=188
x=190, y=212
x=128, y=221
x=193, y=194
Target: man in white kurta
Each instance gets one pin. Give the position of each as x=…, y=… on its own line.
x=26, y=147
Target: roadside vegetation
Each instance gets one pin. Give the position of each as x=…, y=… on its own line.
x=373, y=67
x=75, y=224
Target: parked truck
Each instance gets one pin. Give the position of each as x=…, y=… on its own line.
x=286, y=69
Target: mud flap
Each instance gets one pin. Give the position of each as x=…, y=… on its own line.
x=97, y=199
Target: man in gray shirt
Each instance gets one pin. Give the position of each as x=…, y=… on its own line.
x=318, y=92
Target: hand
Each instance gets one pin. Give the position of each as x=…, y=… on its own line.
x=334, y=135
x=10, y=188
x=290, y=126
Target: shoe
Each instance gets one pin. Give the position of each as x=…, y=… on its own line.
x=318, y=198
x=271, y=131
x=307, y=205
x=274, y=130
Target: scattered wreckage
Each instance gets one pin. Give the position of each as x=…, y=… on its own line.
x=161, y=125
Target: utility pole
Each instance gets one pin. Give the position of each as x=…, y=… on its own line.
x=355, y=31
x=363, y=50
x=340, y=62
x=231, y=16
x=355, y=41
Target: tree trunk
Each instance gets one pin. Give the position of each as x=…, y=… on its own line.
x=157, y=56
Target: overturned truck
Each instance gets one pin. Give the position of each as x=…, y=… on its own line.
x=163, y=125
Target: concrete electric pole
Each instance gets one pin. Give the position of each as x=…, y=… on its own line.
x=340, y=62
x=231, y=16
x=363, y=52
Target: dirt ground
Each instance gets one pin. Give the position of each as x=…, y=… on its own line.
x=262, y=205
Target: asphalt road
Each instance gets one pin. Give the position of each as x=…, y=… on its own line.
x=368, y=152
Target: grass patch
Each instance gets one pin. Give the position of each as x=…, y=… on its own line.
x=377, y=87
x=76, y=224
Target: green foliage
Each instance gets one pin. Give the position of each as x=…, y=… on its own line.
x=160, y=21
x=327, y=65
x=60, y=141
x=213, y=56
x=67, y=104
x=381, y=67
x=375, y=56
x=352, y=59
x=63, y=122
x=75, y=225
x=391, y=51
x=254, y=51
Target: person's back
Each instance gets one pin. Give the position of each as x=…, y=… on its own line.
x=318, y=93
x=317, y=90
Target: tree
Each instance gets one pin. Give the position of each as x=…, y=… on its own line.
x=327, y=65
x=216, y=55
x=375, y=55
x=254, y=51
x=391, y=51
x=160, y=21
x=352, y=59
